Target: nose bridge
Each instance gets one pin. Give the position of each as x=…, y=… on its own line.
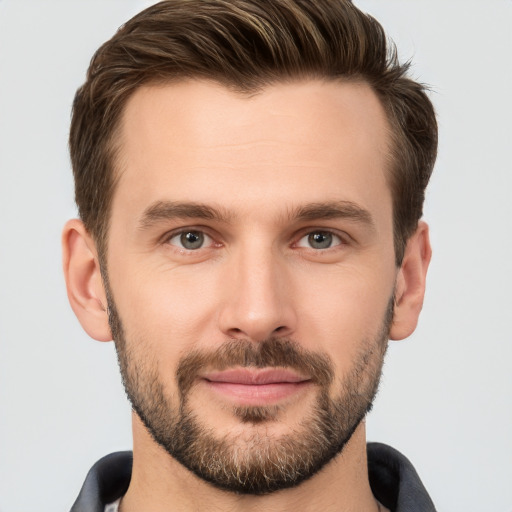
x=259, y=303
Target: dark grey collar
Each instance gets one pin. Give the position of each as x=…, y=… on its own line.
x=393, y=480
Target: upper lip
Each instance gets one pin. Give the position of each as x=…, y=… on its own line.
x=255, y=376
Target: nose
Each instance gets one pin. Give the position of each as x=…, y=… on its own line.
x=258, y=296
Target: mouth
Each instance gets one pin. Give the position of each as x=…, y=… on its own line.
x=256, y=386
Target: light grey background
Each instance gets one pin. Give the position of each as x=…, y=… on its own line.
x=446, y=396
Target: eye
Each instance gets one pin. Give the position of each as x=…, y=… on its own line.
x=319, y=240
x=190, y=240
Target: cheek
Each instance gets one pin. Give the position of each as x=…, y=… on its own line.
x=338, y=308
x=345, y=314
x=170, y=310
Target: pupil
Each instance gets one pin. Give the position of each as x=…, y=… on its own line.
x=192, y=240
x=320, y=240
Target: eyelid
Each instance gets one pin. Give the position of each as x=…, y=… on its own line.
x=344, y=238
x=169, y=235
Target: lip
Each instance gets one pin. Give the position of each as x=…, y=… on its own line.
x=255, y=386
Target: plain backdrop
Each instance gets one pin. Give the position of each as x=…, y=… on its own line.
x=446, y=395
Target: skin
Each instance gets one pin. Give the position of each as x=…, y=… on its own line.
x=257, y=160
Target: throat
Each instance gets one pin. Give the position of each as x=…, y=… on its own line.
x=162, y=484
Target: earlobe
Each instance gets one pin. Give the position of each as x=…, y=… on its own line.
x=410, y=283
x=84, y=284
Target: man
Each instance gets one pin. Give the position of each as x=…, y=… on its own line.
x=250, y=178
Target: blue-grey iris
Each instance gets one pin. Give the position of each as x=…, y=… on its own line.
x=192, y=239
x=320, y=240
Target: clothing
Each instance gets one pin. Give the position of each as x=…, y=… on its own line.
x=113, y=507
x=393, y=480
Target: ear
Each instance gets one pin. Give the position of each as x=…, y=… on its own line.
x=410, y=283
x=83, y=280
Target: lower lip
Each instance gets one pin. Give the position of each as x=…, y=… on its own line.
x=257, y=394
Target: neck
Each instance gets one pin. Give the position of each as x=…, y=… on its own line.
x=161, y=484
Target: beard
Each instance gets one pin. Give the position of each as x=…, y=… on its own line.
x=253, y=463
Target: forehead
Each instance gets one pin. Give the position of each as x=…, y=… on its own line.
x=291, y=142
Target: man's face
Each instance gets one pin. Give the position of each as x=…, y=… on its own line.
x=251, y=273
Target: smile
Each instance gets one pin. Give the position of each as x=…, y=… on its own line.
x=253, y=386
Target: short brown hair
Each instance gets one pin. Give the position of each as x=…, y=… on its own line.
x=246, y=45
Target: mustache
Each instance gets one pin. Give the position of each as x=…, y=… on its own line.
x=273, y=352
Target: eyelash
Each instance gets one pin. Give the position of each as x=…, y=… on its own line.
x=334, y=235
x=339, y=239
x=170, y=236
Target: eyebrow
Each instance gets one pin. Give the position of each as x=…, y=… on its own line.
x=333, y=210
x=170, y=210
